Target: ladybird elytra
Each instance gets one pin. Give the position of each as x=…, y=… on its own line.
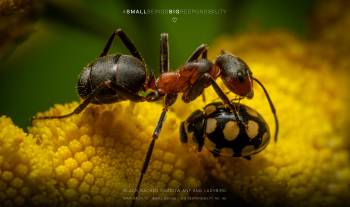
x=219, y=130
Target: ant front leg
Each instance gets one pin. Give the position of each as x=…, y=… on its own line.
x=195, y=90
x=202, y=50
x=224, y=98
x=125, y=40
x=169, y=100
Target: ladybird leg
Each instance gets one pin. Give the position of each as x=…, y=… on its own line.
x=247, y=157
x=195, y=124
x=81, y=106
x=215, y=152
x=203, y=48
x=164, y=53
x=273, y=109
x=169, y=100
x=183, y=135
x=125, y=40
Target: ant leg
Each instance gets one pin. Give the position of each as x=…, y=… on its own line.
x=169, y=100
x=205, y=54
x=227, y=92
x=81, y=106
x=223, y=97
x=164, y=53
x=126, y=41
x=203, y=48
x=237, y=98
x=91, y=96
x=203, y=96
x=163, y=67
x=128, y=95
x=77, y=110
x=195, y=90
x=273, y=109
x=238, y=103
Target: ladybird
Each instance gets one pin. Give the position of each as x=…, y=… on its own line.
x=221, y=132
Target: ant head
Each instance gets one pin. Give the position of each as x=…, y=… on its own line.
x=236, y=74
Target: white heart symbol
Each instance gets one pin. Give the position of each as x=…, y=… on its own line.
x=174, y=19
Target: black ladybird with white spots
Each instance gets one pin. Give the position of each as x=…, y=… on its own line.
x=221, y=132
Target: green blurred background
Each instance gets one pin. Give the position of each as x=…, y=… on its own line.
x=45, y=44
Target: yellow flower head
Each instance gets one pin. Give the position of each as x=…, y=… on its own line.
x=95, y=158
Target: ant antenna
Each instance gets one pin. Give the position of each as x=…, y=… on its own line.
x=271, y=106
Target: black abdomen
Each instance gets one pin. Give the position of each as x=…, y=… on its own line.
x=119, y=70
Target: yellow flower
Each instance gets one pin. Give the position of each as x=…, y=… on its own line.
x=96, y=157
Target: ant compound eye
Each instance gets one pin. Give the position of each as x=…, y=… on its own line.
x=240, y=76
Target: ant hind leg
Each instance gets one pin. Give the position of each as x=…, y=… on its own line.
x=125, y=40
x=77, y=110
x=88, y=100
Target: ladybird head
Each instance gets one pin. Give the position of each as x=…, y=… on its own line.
x=235, y=74
x=192, y=130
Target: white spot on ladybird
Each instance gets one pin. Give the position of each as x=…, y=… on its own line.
x=252, y=129
x=231, y=130
x=211, y=125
